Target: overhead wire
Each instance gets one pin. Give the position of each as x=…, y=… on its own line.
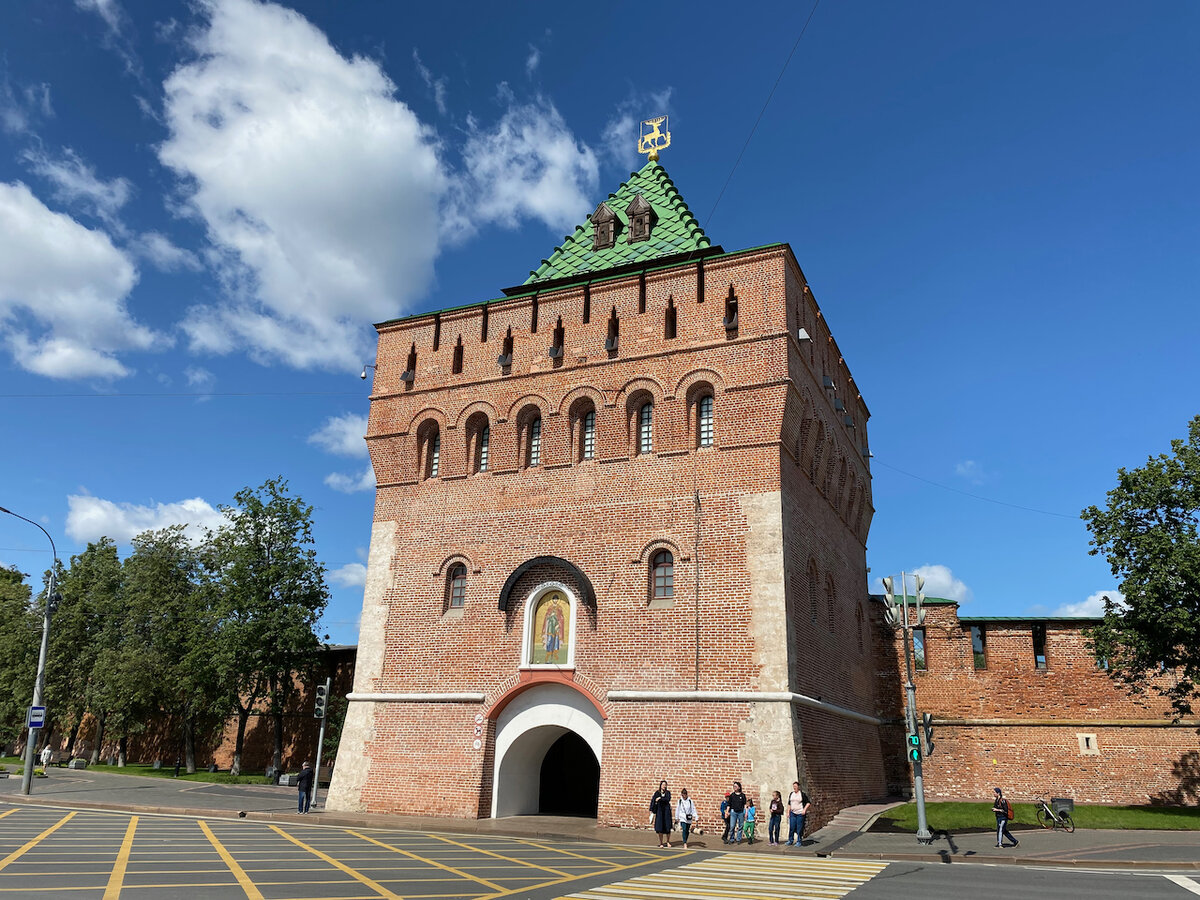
x=946, y=487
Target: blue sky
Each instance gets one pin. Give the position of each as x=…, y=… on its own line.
x=204, y=206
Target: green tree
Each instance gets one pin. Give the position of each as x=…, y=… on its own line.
x=83, y=628
x=20, y=630
x=1148, y=533
x=175, y=629
x=269, y=592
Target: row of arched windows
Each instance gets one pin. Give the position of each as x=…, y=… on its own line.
x=661, y=580
x=828, y=615
x=529, y=435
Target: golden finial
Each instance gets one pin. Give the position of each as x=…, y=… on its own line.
x=653, y=137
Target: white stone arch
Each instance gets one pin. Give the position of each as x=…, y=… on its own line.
x=525, y=729
x=527, y=630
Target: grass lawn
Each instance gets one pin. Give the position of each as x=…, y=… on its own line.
x=14, y=765
x=959, y=817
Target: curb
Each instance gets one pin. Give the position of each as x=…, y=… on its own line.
x=1041, y=862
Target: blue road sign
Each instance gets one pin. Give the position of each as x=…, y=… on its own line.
x=37, y=717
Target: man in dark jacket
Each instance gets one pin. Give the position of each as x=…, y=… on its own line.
x=737, y=813
x=304, y=784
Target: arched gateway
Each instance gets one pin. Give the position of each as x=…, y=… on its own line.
x=548, y=750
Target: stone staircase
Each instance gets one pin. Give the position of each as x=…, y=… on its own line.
x=845, y=825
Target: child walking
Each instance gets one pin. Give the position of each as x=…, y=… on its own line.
x=751, y=818
x=776, y=811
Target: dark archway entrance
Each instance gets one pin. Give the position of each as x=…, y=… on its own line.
x=570, y=779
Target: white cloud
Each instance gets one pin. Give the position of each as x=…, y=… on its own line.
x=437, y=86
x=621, y=131
x=528, y=164
x=76, y=184
x=70, y=280
x=1092, y=606
x=532, y=60
x=349, y=575
x=342, y=435
x=939, y=582
x=162, y=254
x=352, y=484
x=17, y=112
x=971, y=470
x=90, y=518
x=116, y=36
x=319, y=189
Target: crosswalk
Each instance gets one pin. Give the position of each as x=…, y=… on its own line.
x=737, y=876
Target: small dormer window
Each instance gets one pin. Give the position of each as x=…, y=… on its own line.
x=604, y=223
x=640, y=213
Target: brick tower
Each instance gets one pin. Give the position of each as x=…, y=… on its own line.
x=619, y=536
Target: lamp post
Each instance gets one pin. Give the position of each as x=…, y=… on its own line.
x=39, y=683
x=897, y=617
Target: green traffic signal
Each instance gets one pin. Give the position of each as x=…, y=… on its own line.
x=914, y=748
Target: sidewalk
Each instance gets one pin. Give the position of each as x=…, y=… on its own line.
x=98, y=789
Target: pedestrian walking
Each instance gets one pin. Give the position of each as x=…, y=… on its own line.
x=798, y=806
x=725, y=818
x=685, y=812
x=304, y=784
x=1003, y=810
x=47, y=755
x=776, y=811
x=660, y=814
x=737, y=813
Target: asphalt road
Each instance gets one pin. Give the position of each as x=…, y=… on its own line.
x=60, y=853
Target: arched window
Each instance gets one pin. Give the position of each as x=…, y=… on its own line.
x=534, y=456
x=481, y=449
x=429, y=448
x=830, y=600
x=858, y=625
x=662, y=570
x=456, y=586
x=646, y=428
x=704, y=421
x=435, y=454
x=587, y=435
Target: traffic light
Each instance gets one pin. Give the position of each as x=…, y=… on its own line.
x=322, y=698
x=927, y=724
x=891, y=615
x=914, y=748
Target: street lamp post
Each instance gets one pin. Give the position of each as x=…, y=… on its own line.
x=897, y=617
x=39, y=683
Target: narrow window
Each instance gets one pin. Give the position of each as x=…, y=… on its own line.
x=587, y=303
x=456, y=366
x=458, y=585
x=410, y=368
x=664, y=575
x=858, y=626
x=704, y=423
x=483, y=326
x=830, y=603
x=435, y=453
x=437, y=331
x=614, y=326
x=669, y=320
x=533, y=315
x=979, y=647
x=1039, y=646
x=919, y=649
x=485, y=435
x=506, y=355
x=587, y=441
x=642, y=292
x=560, y=337
x=535, y=442
x=646, y=428
x=731, y=314
x=812, y=592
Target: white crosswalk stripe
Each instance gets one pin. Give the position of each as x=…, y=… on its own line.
x=737, y=876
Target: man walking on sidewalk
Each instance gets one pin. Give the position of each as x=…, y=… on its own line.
x=304, y=784
x=1003, y=810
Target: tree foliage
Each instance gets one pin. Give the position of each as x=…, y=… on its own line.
x=1149, y=533
x=20, y=630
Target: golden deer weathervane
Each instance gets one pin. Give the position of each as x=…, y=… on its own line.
x=654, y=137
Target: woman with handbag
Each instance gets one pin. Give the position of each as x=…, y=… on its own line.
x=660, y=814
x=685, y=812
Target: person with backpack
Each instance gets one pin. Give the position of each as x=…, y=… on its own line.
x=1004, y=813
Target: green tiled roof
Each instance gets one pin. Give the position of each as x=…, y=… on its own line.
x=674, y=231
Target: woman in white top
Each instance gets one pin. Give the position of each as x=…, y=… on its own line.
x=685, y=814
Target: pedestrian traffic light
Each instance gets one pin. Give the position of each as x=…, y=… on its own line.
x=322, y=698
x=914, y=748
x=927, y=724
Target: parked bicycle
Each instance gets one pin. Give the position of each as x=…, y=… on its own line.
x=1056, y=814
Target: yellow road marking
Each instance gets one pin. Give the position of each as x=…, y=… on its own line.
x=533, y=887
x=510, y=859
x=8, y=812
x=238, y=872
x=595, y=859
x=431, y=862
x=117, y=878
x=353, y=873
x=21, y=851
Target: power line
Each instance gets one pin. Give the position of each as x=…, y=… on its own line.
x=762, y=112
x=946, y=487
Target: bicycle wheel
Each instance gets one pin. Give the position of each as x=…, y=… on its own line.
x=1067, y=822
x=1043, y=818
